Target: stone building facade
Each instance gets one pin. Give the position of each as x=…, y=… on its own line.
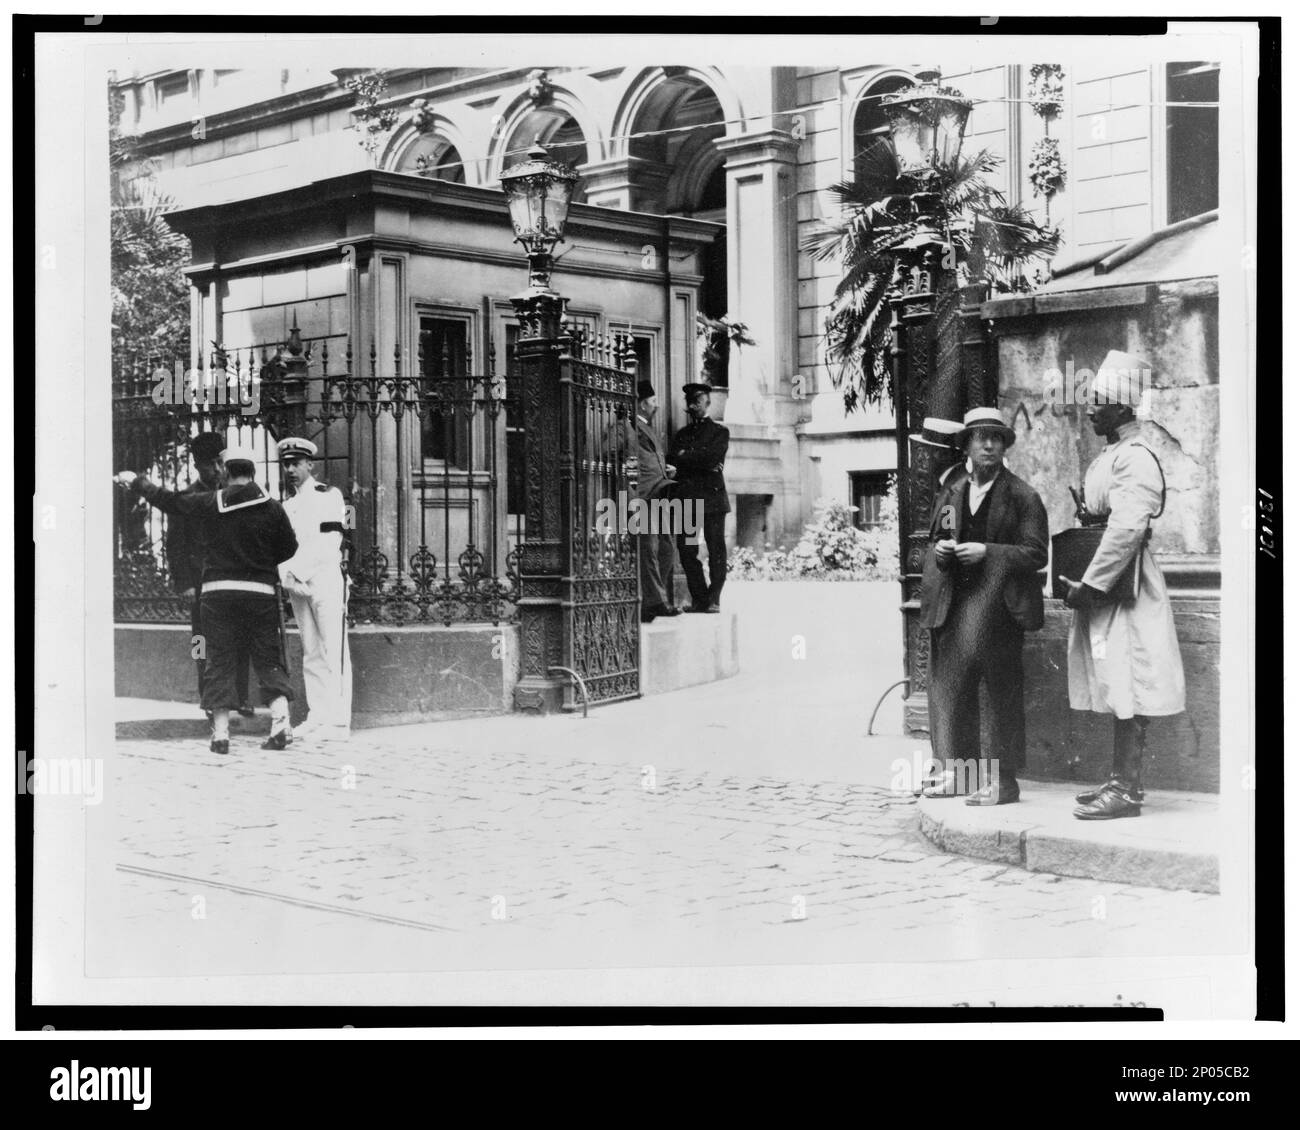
x=752, y=149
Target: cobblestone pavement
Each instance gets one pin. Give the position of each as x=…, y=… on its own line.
x=394, y=855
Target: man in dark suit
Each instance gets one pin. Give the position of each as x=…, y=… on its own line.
x=698, y=451
x=654, y=481
x=980, y=593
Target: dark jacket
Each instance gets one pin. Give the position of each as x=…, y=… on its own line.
x=246, y=533
x=698, y=451
x=185, y=549
x=652, y=479
x=1016, y=542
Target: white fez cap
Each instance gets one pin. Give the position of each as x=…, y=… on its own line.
x=1121, y=378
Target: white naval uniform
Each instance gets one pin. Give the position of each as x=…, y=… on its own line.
x=1124, y=658
x=314, y=580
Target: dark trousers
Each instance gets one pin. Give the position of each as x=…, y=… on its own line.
x=237, y=624
x=977, y=644
x=655, y=554
x=241, y=668
x=715, y=540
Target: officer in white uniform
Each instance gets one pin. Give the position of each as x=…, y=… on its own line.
x=317, y=588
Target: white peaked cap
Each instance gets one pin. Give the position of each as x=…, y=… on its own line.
x=296, y=445
x=239, y=455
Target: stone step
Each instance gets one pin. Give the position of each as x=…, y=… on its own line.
x=1174, y=844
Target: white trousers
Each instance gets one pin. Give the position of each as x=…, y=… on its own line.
x=326, y=664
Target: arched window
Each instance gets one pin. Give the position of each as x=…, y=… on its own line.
x=870, y=123
x=433, y=157
x=555, y=128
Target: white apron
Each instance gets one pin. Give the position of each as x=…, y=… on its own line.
x=1124, y=659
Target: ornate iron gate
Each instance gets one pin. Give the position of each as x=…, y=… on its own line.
x=418, y=452
x=603, y=609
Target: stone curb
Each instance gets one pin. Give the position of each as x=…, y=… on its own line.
x=1096, y=851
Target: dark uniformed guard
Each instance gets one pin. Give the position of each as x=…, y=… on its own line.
x=698, y=452
x=980, y=593
x=185, y=552
x=247, y=534
x=317, y=588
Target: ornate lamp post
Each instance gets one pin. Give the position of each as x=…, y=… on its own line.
x=538, y=191
x=926, y=126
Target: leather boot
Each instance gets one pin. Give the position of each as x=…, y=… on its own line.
x=1114, y=801
x=1089, y=795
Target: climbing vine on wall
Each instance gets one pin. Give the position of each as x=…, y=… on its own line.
x=1047, y=99
x=1046, y=89
x=1046, y=169
x=373, y=120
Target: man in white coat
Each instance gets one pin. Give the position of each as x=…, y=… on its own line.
x=314, y=580
x=1124, y=656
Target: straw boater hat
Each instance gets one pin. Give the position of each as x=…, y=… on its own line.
x=936, y=432
x=1122, y=378
x=984, y=418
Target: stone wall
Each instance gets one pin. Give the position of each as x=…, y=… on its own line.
x=408, y=674
x=1055, y=442
x=1074, y=745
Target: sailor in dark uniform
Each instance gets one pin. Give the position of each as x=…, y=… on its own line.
x=247, y=534
x=698, y=451
x=185, y=551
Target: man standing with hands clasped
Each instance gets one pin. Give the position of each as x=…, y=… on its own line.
x=654, y=480
x=980, y=593
x=317, y=589
x=698, y=451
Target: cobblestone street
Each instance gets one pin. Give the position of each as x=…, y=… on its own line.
x=630, y=838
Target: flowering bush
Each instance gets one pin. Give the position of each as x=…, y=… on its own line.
x=832, y=548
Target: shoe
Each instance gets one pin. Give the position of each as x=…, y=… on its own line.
x=222, y=746
x=1113, y=802
x=942, y=786
x=246, y=711
x=670, y=610
x=697, y=608
x=713, y=608
x=279, y=740
x=1003, y=792
x=1088, y=797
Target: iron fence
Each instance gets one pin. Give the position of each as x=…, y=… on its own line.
x=418, y=452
